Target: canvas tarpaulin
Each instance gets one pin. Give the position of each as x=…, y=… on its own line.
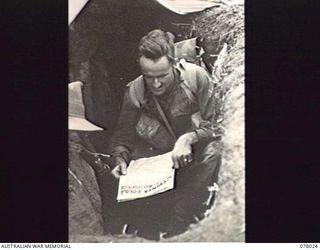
x=181, y=7
x=184, y=7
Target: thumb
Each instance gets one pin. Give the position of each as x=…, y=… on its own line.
x=175, y=162
x=123, y=169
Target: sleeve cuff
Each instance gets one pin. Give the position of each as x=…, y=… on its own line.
x=120, y=149
x=201, y=134
x=123, y=152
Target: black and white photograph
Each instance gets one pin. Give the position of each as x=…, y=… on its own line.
x=192, y=122
x=156, y=121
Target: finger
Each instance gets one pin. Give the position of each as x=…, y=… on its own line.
x=186, y=160
x=123, y=169
x=182, y=161
x=175, y=162
x=115, y=174
x=189, y=158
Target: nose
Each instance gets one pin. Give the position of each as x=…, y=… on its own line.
x=156, y=83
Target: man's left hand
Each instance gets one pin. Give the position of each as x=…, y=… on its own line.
x=182, y=151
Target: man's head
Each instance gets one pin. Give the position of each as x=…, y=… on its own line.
x=156, y=60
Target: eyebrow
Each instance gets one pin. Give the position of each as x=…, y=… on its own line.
x=156, y=76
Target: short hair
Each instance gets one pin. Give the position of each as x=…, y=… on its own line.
x=156, y=44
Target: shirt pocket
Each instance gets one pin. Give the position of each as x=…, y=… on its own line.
x=154, y=133
x=147, y=127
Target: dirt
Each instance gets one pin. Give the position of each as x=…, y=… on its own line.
x=225, y=24
x=226, y=222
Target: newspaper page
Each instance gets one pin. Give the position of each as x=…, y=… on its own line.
x=146, y=177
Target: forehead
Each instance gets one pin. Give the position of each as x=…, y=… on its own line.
x=150, y=67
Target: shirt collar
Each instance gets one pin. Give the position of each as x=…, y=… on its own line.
x=180, y=70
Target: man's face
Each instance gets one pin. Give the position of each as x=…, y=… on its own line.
x=158, y=75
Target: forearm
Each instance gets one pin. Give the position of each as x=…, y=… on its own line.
x=188, y=138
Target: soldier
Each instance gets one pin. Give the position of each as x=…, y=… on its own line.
x=168, y=108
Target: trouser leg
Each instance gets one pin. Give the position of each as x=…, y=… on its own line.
x=113, y=212
x=145, y=216
x=118, y=214
x=193, y=195
x=172, y=211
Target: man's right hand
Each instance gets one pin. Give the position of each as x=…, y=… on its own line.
x=120, y=167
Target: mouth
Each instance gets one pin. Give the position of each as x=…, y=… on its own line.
x=157, y=90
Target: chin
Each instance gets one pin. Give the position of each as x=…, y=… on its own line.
x=157, y=93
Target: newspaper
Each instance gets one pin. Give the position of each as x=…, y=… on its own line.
x=146, y=177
